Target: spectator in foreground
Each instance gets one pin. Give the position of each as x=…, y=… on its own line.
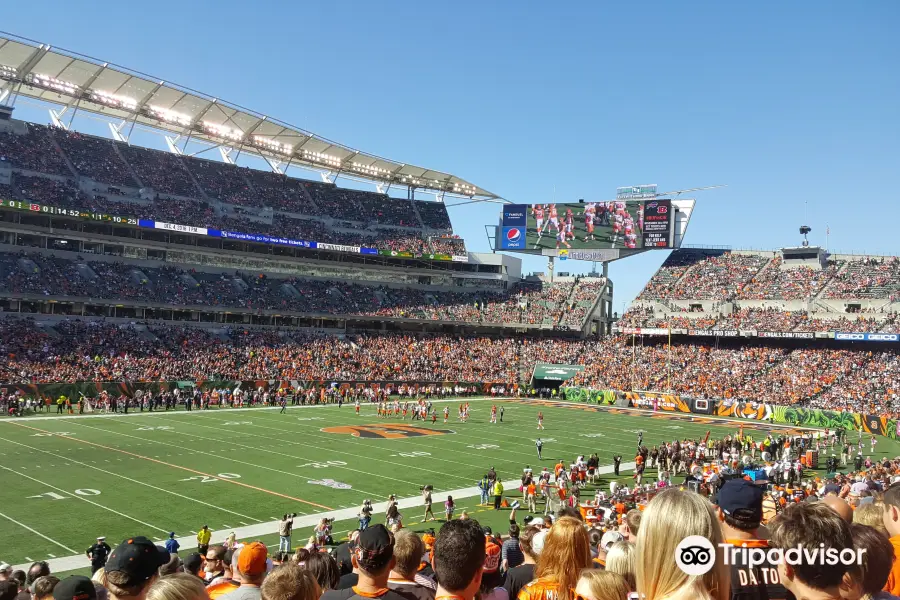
x=566, y=551
x=517, y=577
x=458, y=562
x=252, y=561
x=877, y=560
x=813, y=525
x=597, y=584
x=891, y=517
x=290, y=582
x=669, y=518
x=491, y=577
x=132, y=568
x=75, y=587
x=215, y=564
x=740, y=514
x=178, y=586
x=408, y=551
x=8, y=590
x=36, y=570
x=511, y=554
x=43, y=587
x=374, y=558
x=193, y=564
x=325, y=569
x=620, y=560
x=871, y=515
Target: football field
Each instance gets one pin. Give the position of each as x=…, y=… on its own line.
x=66, y=480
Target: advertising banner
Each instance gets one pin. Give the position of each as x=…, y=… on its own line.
x=549, y=372
x=868, y=337
x=657, y=401
x=796, y=335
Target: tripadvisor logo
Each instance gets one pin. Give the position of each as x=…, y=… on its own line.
x=695, y=555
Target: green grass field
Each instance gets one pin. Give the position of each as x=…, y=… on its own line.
x=68, y=480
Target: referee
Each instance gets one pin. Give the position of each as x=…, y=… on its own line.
x=540, y=446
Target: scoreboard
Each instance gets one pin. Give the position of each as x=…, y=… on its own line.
x=624, y=224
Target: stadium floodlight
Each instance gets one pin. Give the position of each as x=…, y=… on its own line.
x=228, y=133
x=370, y=169
x=8, y=72
x=52, y=83
x=272, y=145
x=113, y=100
x=321, y=157
x=169, y=116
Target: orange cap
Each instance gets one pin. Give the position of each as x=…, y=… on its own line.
x=252, y=559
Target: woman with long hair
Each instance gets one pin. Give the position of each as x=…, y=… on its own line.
x=597, y=584
x=566, y=552
x=620, y=560
x=669, y=518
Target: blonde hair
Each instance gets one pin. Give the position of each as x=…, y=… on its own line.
x=604, y=585
x=620, y=559
x=567, y=550
x=870, y=514
x=670, y=517
x=178, y=586
x=290, y=582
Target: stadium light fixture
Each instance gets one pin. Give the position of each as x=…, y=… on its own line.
x=8, y=72
x=113, y=100
x=228, y=133
x=169, y=116
x=272, y=145
x=321, y=157
x=52, y=83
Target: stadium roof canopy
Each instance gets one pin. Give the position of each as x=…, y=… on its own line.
x=78, y=82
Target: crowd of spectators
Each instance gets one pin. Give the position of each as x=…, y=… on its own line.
x=95, y=157
x=718, y=277
x=167, y=174
x=32, y=151
x=847, y=378
x=868, y=278
x=51, y=275
x=796, y=283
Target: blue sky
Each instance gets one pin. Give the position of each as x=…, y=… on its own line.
x=784, y=102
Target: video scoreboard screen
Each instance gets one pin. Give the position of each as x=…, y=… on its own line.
x=623, y=224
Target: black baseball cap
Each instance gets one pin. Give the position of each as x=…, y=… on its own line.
x=138, y=557
x=75, y=587
x=374, y=548
x=193, y=562
x=741, y=500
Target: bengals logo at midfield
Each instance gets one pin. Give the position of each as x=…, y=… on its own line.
x=386, y=431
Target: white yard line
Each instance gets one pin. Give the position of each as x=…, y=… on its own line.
x=232, y=443
x=159, y=489
x=34, y=531
x=82, y=498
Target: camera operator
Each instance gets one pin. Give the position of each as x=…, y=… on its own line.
x=285, y=526
x=322, y=532
x=365, y=515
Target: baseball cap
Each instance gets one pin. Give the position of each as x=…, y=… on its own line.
x=374, y=548
x=252, y=559
x=75, y=587
x=138, y=557
x=741, y=499
x=491, y=558
x=193, y=562
x=609, y=538
x=537, y=542
x=5, y=567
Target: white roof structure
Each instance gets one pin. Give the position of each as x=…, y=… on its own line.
x=78, y=82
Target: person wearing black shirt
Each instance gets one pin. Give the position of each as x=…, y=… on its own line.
x=373, y=557
x=98, y=553
x=617, y=461
x=740, y=514
x=519, y=577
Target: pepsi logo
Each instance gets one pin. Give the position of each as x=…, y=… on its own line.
x=513, y=234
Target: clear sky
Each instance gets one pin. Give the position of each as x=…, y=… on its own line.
x=786, y=102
